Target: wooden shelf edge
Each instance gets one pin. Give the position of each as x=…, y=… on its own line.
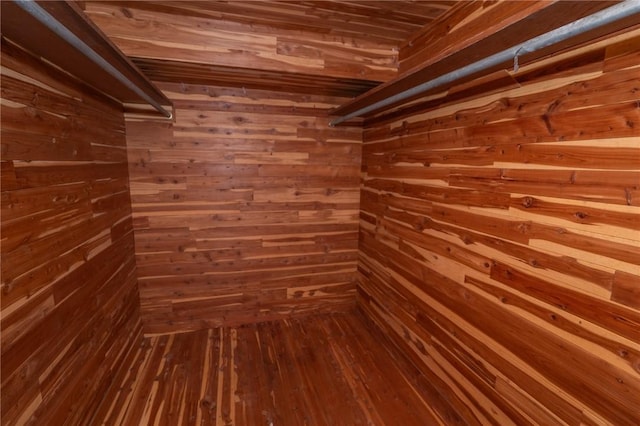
x=23, y=29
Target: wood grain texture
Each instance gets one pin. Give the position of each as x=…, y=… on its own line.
x=70, y=305
x=489, y=27
x=28, y=32
x=377, y=21
x=352, y=40
x=207, y=74
x=499, y=240
x=472, y=31
x=245, y=209
x=334, y=369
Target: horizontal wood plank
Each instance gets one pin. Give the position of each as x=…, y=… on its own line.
x=70, y=309
x=238, y=205
x=499, y=238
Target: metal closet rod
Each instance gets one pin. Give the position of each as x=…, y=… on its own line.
x=32, y=8
x=582, y=25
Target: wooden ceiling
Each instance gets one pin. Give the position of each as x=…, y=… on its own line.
x=390, y=22
x=342, y=48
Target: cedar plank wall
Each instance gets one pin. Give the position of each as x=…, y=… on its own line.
x=500, y=241
x=70, y=308
x=469, y=22
x=245, y=209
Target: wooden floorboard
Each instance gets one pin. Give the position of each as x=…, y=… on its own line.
x=332, y=369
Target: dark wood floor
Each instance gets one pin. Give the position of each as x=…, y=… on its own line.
x=319, y=370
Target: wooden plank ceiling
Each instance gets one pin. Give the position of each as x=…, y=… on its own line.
x=338, y=48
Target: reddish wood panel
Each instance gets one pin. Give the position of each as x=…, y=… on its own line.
x=334, y=369
x=208, y=74
x=325, y=39
x=500, y=245
x=70, y=307
x=470, y=32
x=24, y=29
x=245, y=208
x=490, y=26
x=378, y=21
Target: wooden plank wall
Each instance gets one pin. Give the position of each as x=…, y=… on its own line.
x=245, y=209
x=476, y=29
x=469, y=22
x=211, y=37
x=70, y=308
x=500, y=241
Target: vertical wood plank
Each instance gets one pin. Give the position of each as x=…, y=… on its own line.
x=321, y=369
